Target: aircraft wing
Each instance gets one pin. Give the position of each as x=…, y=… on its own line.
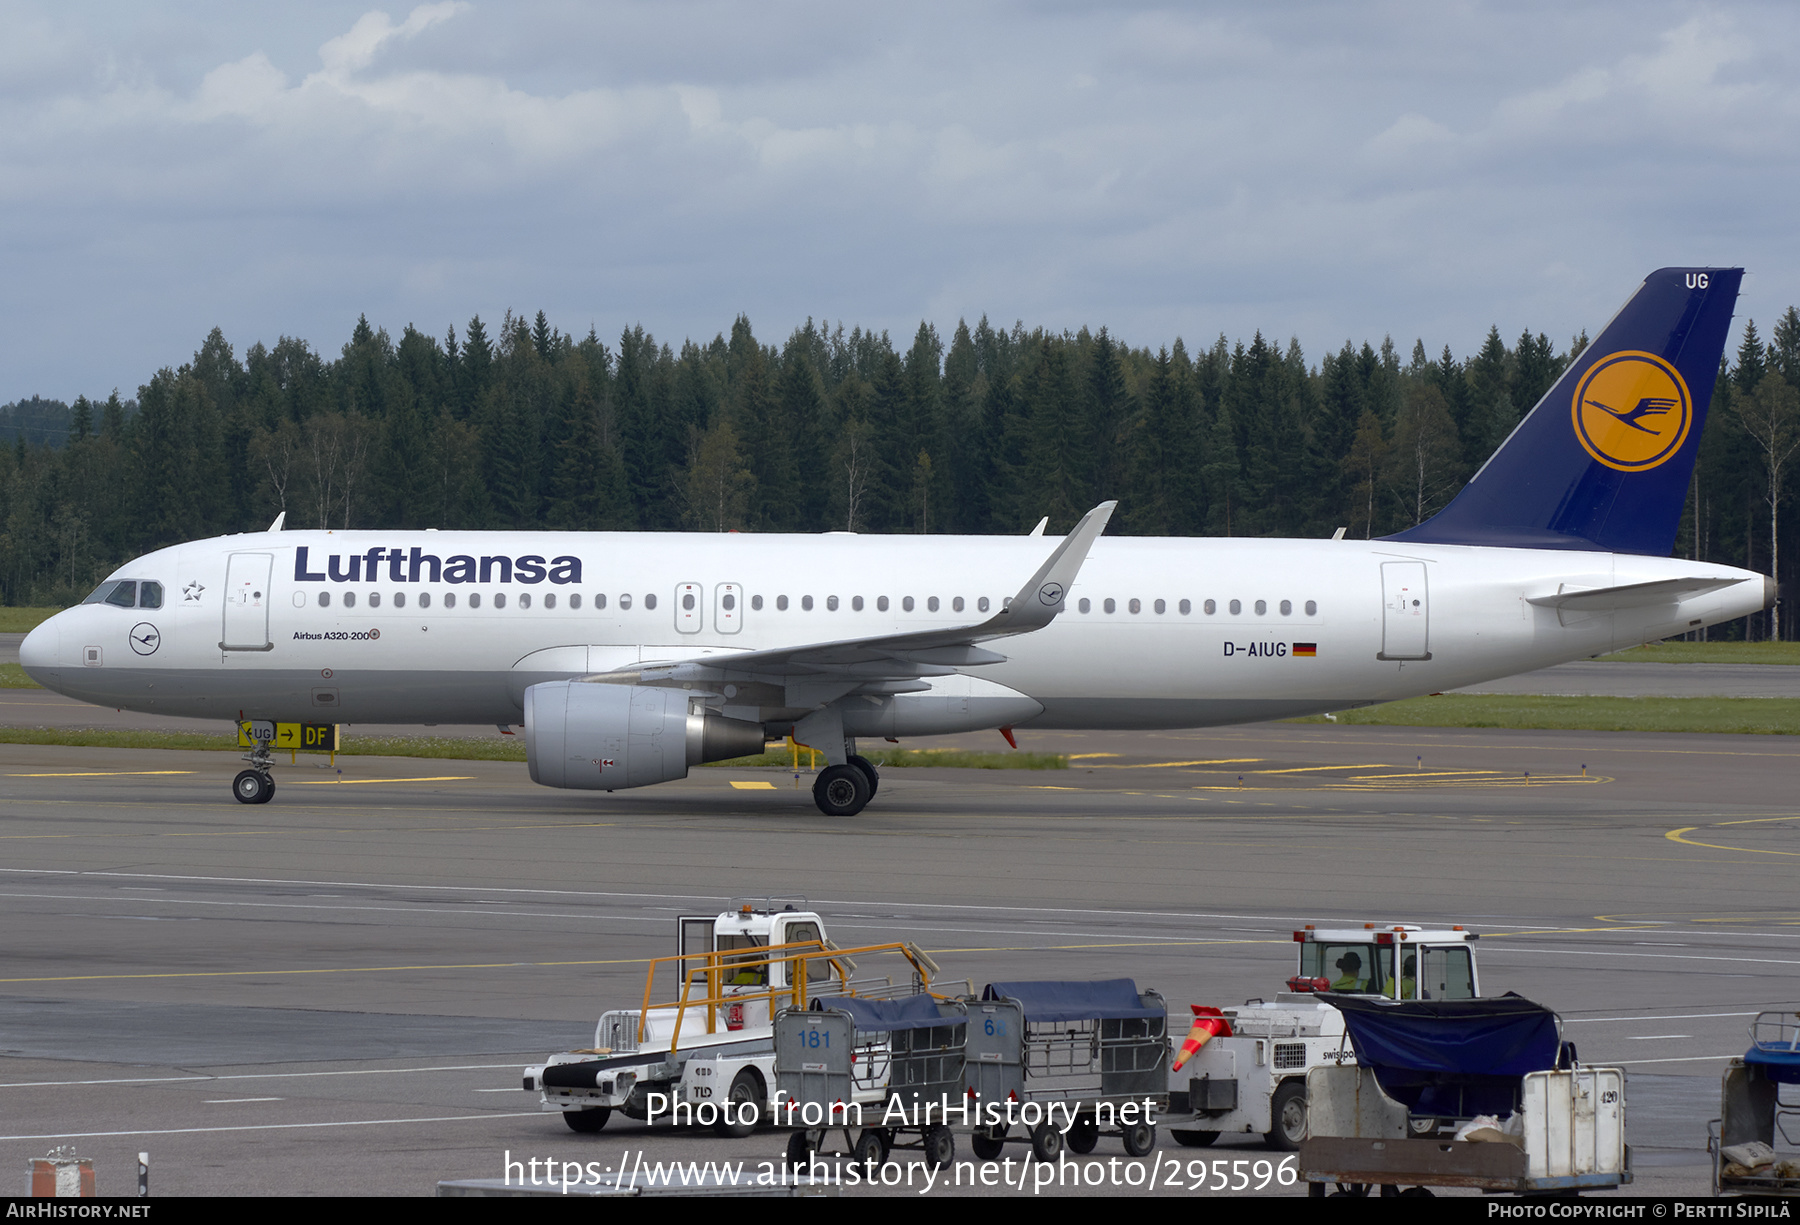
x=896, y=657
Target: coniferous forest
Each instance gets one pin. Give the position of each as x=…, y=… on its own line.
x=985, y=432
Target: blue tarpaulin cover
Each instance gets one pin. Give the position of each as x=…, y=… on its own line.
x=908, y=1012
x=1107, y=1000
x=1454, y=1058
x=1779, y=1063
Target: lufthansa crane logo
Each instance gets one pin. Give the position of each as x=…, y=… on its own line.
x=1050, y=593
x=1632, y=411
x=145, y=638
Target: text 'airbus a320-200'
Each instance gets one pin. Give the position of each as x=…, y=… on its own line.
x=631, y=657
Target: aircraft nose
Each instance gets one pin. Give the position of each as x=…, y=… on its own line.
x=41, y=652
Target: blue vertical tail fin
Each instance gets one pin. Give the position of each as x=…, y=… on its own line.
x=1603, y=461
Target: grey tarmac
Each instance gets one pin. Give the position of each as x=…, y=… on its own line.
x=334, y=993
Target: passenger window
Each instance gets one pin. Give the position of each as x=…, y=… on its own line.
x=625, y=602
x=806, y=603
x=449, y=599
x=1210, y=607
x=906, y=605
x=881, y=603
x=1186, y=607
x=781, y=603
x=687, y=602
x=550, y=600
x=756, y=603
x=600, y=602
x=831, y=603
x=1262, y=608
x=650, y=602
x=524, y=599
x=1110, y=605
x=500, y=599
x=1085, y=605
x=931, y=605
x=474, y=599
x=324, y=599
x=349, y=599
x=399, y=599
x=730, y=601
x=424, y=599
x=1160, y=607
x=1287, y=607
x=150, y=595
x=1136, y=606
x=856, y=603
x=1237, y=606
x=1312, y=608
x=123, y=596
x=374, y=599
x=981, y=605
x=956, y=605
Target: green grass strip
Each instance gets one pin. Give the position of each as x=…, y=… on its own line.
x=489, y=749
x=1740, y=716
x=1676, y=651
x=24, y=620
x=12, y=676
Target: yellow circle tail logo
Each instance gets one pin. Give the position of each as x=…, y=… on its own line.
x=1632, y=411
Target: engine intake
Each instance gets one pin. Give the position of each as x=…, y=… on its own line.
x=600, y=737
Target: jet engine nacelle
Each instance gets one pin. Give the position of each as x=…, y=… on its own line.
x=600, y=737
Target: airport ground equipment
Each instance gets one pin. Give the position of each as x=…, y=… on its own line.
x=1079, y=1060
x=1557, y=1127
x=1754, y=1117
x=707, y=1055
x=884, y=1069
x=1243, y=1069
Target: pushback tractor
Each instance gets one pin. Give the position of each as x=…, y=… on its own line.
x=703, y=1051
x=1243, y=1070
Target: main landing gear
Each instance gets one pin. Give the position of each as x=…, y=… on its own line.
x=842, y=791
x=256, y=785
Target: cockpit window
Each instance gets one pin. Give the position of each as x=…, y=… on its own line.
x=127, y=593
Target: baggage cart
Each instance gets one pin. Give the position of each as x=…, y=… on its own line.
x=1072, y=1060
x=882, y=1069
x=1754, y=1117
x=1563, y=1128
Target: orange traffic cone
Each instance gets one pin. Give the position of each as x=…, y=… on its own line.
x=1209, y=1023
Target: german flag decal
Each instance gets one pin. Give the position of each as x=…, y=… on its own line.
x=1306, y=650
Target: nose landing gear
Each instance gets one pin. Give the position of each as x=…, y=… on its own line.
x=253, y=787
x=256, y=785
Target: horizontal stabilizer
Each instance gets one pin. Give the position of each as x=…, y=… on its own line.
x=1632, y=595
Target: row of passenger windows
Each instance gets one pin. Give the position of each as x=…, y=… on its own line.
x=348, y=599
x=1209, y=607
x=907, y=603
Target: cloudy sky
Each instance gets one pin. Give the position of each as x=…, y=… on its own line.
x=1326, y=171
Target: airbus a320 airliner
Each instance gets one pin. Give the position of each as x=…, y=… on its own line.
x=631, y=657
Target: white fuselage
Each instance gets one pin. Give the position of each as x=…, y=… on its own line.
x=1176, y=632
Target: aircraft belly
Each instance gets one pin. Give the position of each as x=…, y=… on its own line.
x=348, y=696
x=1149, y=714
